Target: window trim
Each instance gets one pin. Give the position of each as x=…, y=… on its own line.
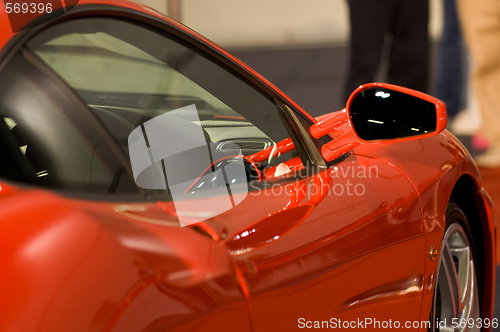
x=307, y=147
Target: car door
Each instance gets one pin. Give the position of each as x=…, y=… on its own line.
x=348, y=248
x=167, y=114
x=213, y=145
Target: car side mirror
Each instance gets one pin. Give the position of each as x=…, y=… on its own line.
x=378, y=113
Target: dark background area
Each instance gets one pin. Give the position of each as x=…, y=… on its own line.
x=313, y=77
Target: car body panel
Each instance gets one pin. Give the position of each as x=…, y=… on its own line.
x=435, y=191
x=294, y=248
x=86, y=266
x=357, y=242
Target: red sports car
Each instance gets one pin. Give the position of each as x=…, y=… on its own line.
x=150, y=181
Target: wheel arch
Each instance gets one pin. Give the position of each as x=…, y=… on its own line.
x=477, y=207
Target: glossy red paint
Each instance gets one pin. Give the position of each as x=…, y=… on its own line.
x=279, y=274
x=88, y=266
x=347, y=242
x=435, y=179
x=329, y=124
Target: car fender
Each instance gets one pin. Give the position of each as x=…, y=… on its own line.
x=441, y=170
x=60, y=264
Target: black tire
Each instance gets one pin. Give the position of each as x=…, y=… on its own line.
x=456, y=299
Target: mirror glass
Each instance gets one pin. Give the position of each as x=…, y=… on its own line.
x=381, y=113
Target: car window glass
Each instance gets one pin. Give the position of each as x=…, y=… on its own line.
x=190, y=127
x=47, y=142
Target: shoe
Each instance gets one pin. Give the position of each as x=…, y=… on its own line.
x=465, y=123
x=490, y=158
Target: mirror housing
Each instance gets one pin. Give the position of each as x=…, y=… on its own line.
x=379, y=113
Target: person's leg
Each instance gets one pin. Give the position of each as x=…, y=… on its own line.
x=452, y=63
x=409, y=58
x=480, y=21
x=369, y=21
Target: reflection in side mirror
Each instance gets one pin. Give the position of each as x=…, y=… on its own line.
x=382, y=112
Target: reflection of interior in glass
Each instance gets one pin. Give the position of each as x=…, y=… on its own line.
x=187, y=168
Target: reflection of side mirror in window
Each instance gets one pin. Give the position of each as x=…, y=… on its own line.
x=225, y=171
x=251, y=164
x=381, y=113
x=273, y=151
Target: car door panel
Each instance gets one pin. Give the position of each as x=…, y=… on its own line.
x=353, y=255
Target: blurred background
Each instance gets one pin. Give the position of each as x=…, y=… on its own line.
x=302, y=48
x=277, y=23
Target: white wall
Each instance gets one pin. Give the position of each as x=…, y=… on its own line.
x=159, y=5
x=273, y=23
x=267, y=22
